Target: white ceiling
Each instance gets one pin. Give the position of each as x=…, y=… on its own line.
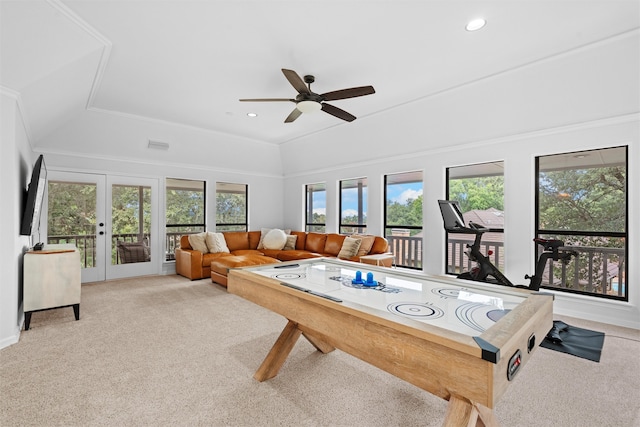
x=188, y=62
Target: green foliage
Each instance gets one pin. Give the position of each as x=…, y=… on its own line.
x=71, y=209
x=185, y=207
x=478, y=193
x=231, y=208
x=583, y=200
x=405, y=214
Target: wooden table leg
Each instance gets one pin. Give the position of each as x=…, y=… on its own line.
x=278, y=353
x=318, y=343
x=463, y=413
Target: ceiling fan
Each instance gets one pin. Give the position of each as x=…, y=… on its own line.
x=307, y=101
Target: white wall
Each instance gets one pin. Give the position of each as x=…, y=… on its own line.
x=16, y=163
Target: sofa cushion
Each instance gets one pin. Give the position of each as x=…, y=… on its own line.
x=295, y=255
x=275, y=239
x=247, y=252
x=216, y=243
x=349, y=248
x=315, y=242
x=333, y=244
x=236, y=240
x=366, y=244
x=198, y=242
x=207, y=258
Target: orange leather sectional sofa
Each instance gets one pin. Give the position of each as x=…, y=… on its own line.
x=243, y=251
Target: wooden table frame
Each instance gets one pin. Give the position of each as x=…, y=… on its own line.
x=447, y=364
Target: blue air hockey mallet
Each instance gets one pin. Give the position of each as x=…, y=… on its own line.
x=369, y=282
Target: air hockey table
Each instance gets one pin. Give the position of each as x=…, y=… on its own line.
x=459, y=340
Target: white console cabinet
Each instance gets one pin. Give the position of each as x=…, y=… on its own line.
x=51, y=280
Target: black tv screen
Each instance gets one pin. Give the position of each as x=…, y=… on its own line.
x=35, y=197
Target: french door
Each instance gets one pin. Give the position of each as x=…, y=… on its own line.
x=112, y=220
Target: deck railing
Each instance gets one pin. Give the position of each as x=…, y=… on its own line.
x=598, y=270
x=86, y=245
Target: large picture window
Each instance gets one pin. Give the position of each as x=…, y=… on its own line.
x=316, y=207
x=403, y=217
x=353, y=206
x=231, y=207
x=479, y=189
x=185, y=211
x=582, y=199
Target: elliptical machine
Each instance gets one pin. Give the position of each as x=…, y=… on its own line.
x=485, y=270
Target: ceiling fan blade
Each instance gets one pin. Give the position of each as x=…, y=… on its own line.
x=296, y=81
x=268, y=100
x=348, y=93
x=335, y=111
x=294, y=115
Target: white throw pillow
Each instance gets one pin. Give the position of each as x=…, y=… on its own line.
x=264, y=232
x=198, y=243
x=275, y=239
x=349, y=248
x=216, y=243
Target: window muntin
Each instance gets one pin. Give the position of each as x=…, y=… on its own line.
x=353, y=206
x=231, y=207
x=582, y=199
x=479, y=189
x=316, y=207
x=403, y=217
x=185, y=211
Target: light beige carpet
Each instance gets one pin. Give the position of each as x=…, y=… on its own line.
x=167, y=351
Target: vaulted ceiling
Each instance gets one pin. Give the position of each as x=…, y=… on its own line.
x=189, y=62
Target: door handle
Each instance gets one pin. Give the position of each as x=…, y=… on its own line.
x=101, y=224
x=101, y=233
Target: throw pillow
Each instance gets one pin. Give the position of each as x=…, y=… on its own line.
x=198, y=243
x=216, y=243
x=291, y=243
x=367, y=243
x=349, y=248
x=275, y=239
x=264, y=232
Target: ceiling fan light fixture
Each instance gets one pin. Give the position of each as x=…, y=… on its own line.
x=475, y=24
x=308, y=106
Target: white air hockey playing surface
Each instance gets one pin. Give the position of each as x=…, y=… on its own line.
x=463, y=309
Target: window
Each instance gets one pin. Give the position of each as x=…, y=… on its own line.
x=316, y=207
x=480, y=191
x=353, y=206
x=185, y=211
x=72, y=217
x=403, y=217
x=231, y=207
x=581, y=199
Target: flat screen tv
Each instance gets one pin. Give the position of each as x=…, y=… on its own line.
x=35, y=196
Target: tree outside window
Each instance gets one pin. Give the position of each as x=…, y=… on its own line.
x=403, y=217
x=185, y=211
x=231, y=206
x=582, y=199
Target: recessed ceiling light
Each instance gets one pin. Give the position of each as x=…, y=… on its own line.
x=475, y=24
x=252, y=115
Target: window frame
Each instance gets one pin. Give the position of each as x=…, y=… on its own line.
x=542, y=232
x=309, y=190
x=398, y=250
x=361, y=184
x=172, y=241
x=486, y=246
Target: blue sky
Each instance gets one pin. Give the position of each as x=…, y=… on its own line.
x=398, y=193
